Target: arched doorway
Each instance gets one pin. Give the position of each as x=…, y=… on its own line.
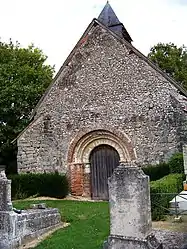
x=103, y=160
x=81, y=151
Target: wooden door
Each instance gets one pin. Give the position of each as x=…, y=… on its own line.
x=103, y=159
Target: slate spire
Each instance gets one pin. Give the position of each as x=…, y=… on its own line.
x=108, y=18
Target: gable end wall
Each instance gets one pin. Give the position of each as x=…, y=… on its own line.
x=106, y=85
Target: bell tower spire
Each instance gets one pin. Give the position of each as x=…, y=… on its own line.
x=108, y=18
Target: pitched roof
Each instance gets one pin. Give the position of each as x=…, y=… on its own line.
x=130, y=46
x=137, y=52
x=108, y=18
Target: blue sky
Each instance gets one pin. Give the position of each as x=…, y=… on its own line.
x=55, y=26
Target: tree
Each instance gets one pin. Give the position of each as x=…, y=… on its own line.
x=172, y=60
x=24, y=76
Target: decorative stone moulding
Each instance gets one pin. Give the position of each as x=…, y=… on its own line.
x=81, y=148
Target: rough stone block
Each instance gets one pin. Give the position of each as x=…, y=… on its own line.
x=16, y=229
x=5, y=195
x=130, y=207
x=121, y=242
x=130, y=210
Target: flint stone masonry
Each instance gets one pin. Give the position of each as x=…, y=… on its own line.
x=104, y=85
x=130, y=210
x=16, y=229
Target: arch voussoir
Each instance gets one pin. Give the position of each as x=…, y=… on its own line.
x=79, y=156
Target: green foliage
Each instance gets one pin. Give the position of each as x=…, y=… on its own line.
x=172, y=60
x=176, y=163
x=172, y=183
x=156, y=172
x=47, y=184
x=24, y=76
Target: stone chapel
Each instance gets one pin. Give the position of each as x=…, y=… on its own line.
x=107, y=104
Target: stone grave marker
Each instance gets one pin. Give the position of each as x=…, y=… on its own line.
x=17, y=228
x=5, y=191
x=130, y=210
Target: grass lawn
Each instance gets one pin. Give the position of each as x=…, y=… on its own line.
x=89, y=224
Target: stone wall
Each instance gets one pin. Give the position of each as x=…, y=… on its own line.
x=20, y=226
x=104, y=86
x=17, y=229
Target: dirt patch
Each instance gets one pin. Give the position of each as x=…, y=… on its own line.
x=169, y=224
x=38, y=240
x=70, y=197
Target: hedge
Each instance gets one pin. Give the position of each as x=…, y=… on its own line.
x=172, y=183
x=156, y=172
x=176, y=164
x=47, y=184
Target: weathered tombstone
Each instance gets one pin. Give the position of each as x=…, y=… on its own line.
x=6, y=214
x=130, y=210
x=5, y=191
x=17, y=228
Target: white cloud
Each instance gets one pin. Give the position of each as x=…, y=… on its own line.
x=55, y=26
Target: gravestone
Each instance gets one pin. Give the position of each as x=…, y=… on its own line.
x=17, y=228
x=130, y=210
x=5, y=191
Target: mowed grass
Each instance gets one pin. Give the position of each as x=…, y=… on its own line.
x=89, y=224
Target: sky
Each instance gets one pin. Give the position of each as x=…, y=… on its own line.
x=55, y=26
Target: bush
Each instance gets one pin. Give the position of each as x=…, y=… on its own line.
x=47, y=184
x=172, y=183
x=176, y=164
x=156, y=172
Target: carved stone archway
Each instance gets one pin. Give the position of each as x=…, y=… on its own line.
x=79, y=153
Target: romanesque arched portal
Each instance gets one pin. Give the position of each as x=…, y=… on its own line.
x=79, y=156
